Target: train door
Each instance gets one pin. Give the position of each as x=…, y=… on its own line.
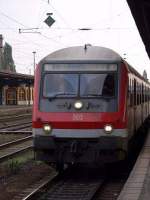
x=11, y=96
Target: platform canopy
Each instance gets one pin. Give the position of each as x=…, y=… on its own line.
x=140, y=10
x=15, y=79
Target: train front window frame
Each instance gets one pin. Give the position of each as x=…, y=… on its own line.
x=99, y=85
x=78, y=67
x=78, y=93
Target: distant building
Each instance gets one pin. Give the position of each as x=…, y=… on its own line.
x=145, y=75
x=6, y=59
x=15, y=88
x=1, y=51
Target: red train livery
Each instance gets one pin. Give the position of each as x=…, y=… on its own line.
x=88, y=104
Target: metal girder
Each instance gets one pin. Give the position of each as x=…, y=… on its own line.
x=140, y=10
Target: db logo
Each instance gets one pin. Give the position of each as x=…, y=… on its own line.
x=77, y=117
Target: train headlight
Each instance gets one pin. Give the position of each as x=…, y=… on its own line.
x=47, y=128
x=78, y=105
x=108, y=128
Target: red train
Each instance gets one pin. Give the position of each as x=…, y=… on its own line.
x=88, y=104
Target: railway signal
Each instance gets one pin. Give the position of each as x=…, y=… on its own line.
x=49, y=20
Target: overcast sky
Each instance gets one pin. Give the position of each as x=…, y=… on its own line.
x=110, y=21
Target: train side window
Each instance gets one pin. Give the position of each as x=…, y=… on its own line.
x=134, y=91
x=146, y=94
x=130, y=92
x=142, y=93
x=131, y=98
x=137, y=91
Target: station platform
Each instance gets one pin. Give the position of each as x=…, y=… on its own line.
x=137, y=186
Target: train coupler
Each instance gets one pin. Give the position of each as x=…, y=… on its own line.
x=74, y=147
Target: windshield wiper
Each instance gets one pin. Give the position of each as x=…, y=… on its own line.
x=98, y=95
x=60, y=94
x=92, y=95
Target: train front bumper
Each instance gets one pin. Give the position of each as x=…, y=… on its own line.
x=81, y=146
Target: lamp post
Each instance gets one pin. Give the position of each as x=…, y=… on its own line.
x=34, y=52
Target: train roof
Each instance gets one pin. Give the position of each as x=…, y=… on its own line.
x=83, y=53
x=87, y=53
x=133, y=71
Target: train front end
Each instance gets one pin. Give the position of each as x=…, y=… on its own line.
x=79, y=110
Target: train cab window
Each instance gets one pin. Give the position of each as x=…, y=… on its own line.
x=60, y=85
x=97, y=85
x=84, y=85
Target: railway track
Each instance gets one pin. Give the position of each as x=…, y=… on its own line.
x=15, y=132
x=13, y=117
x=75, y=185
x=13, y=148
x=16, y=126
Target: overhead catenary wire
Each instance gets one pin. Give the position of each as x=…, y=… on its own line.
x=63, y=19
x=62, y=32
x=18, y=22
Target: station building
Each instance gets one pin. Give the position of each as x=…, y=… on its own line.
x=16, y=89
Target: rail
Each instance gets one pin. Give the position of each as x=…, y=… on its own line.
x=13, y=148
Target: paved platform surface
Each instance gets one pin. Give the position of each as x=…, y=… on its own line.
x=137, y=186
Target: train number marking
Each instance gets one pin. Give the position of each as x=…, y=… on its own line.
x=77, y=117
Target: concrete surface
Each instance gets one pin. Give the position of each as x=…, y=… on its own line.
x=137, y=186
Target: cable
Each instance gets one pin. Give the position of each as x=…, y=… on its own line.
x=61, y=17
x=16, y=21
x=12, y=19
